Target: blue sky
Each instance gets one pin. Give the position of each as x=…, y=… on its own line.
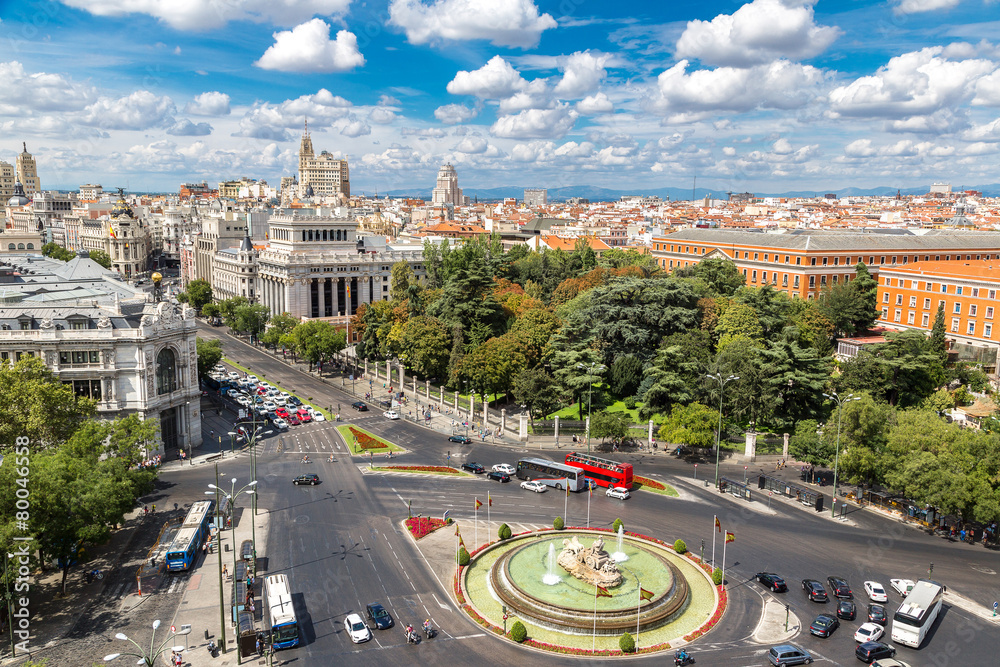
x=770, y=95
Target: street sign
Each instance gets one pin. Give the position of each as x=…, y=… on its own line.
x=770, y=493
x=173, y=629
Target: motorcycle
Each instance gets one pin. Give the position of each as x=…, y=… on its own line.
x=682, y=658
x=94, y=574
x=412, y=637
x=211, y=647
x=429, y=632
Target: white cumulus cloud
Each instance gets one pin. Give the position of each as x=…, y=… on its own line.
x=139, y=111
x=308, y=48
x=595, y=104
x=472, y=145
x=502, y=22
x=494, y=80
x=355, y=128
x=536, y=124
x=380, y=115
x=452, y=114
x=755, y=34
x=208, y=14
x=212, y=103
x=582, y=74
x=920, y=6
x=24, y=92
x=272, y=121
x=186, y=128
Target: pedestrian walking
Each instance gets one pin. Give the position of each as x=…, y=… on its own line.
x=260, y=646
x=225, y=571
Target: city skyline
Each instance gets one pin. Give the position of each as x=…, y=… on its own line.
x=767, y=96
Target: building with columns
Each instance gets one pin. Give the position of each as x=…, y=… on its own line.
x=234, y=272
x=318, y=267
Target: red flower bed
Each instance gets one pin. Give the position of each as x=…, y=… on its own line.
x=420, y=526
x=651, y=483
x=421, y=468
x=365, y=441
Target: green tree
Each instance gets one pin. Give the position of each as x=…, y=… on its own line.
x=865, y=290
x=38, y=406
x=680, y=547
x=851, y=306
x=626, y=375
x=463, y=556
x=209, y=354
x=467, y=294
x=504, y=532
x=278, y=326
x=613, y=425
x=692, y=424
x=796, y=379
x=619, y=258
x=400, y=281
x=813, y=328
x=426, y=345
x=492, y=366
x=518, y=632
x=813, y=444
x=101, y=257
x=626, y=643
x=434, y=255
x=739, y=321
x=538, y=390
x=317, y=341
x=56, y=251
x=211, y=310
x=937, y=344
x=913, y=370
x=774, y=309
x=559, y=524
x=721, y=275
x=199, y=293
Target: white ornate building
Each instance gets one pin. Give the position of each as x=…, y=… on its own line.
x=447, y=191
x=234, y=272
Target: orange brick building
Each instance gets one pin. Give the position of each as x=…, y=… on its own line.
x=803, y=262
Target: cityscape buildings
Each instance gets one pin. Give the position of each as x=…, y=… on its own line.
x=27, y=172
x=446, y=190
x=321, y=175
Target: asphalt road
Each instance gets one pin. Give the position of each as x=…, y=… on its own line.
x=341, y=544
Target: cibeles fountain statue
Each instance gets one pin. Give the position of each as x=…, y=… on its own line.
x=591, y=564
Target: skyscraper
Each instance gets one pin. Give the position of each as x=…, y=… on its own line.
x=447, y=190
x=327, y=175
x=27, y=172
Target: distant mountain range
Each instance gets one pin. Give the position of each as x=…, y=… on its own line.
x=596, y=194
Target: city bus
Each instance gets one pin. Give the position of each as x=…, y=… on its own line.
x=916, y=614
x=284, y=629
x=551, y=473
x=604, y=472
x=192, y=533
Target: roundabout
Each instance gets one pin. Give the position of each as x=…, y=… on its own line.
x=572, y=596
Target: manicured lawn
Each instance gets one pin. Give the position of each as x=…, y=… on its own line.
x=382, y=447
x=423, y=470
x=647, y=484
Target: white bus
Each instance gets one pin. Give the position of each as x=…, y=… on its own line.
x=551, y=473
x=916, y=614
x=284, y=627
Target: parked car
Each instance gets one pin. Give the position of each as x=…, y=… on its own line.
x=316, y=415
x=876, y=614
x=303, y=415
x=901, y=586
x=292, y=420
x=772, y=581
x=379, y=616
x=294, y=400
x=280, y=423
x=869, y=632
x=390, y=414
x=498, y=476
x=786, y=654
x=814, y=590
x=312, y=480
x=282, y=412
x=537, y=487
x=875, y=592
x=840, y=588
x=356, y=629
x=824, y=625
x=473, y=467
x=846, y=610
x=890, y=662
x=462, y=439
x=619, y=492
x=360, y=406
x=504, y=468
x=869, y=651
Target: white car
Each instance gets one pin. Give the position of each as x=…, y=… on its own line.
x=537, y=487
x=356, y=629
x=280, y=423
x=234, y=375
x=619, y=492
x=875, y=592
x=901, y=586
x=391, y=414
x=869, y=632
x=504, y=467
x=316, y=415
x=281, y=400
x=270, y=406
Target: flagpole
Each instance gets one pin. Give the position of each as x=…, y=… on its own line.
x=724, y=543
x=489, y=523
x=475, y=544
x=714, y=531
x=566, y=509
x=594, y=647
x=589, y=496
x=637, y=607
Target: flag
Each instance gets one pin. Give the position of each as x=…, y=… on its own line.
x=718, y=526
x=111, y=231
x=591, y=487
x=603, y=592
x=445, y=517
x=644, y=594
x=489, y=499
x=730, y=537
x=478, y=503
x=567, y=488
x=457, y=532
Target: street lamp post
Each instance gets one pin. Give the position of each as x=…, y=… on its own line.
x=718, y=434
x=148, y=659
x=231, y=496
x=590, y=390
x=833, y=396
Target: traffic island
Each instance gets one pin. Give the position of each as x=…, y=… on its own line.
x=670, y=599
x=362, y=443
x=422, y=470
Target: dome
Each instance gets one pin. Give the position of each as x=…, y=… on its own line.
x=121, y=209
x=309, y=190
x=19, y=198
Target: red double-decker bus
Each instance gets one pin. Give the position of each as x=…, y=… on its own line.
x=604, y=472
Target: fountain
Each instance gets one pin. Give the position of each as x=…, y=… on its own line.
x=620, y=556
x=551, y=578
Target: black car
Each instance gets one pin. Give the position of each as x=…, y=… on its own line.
x=772, y=581
x=824, y=625
x=473, y=467
x=869, y=651
x=846, y=610
x=306, y=479
x=841, y=589
x=379, y=617
x=294, y=401
x=463, y=439
x=876, y=614
x=498, y=476
x=814, y=590
x=272, y=415
x=360, y=406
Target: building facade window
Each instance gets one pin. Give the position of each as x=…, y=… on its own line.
x=166, y=372
x=925, y=320
x=885, y=297
x=899, y=299
x=927, y=304
x=989, y=312
x=954, y=324
x=898, y=315
x=958, y=308
x=972, y=328
x=885, y=313
x=972, y=310
x=987, y=331
x=909, y=317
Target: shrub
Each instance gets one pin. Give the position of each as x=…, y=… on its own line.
x=504, y=532
x=717, y=576
x=626, y=643
x=558, y=524
x=680, y=547
x=630, y=403
x=518, y=632
x=463, y=556
x=616, y=525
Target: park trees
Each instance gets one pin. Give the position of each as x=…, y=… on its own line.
x=199, y=293
x=209, y=354
x=426, y=342
x=56, y=251
x=318, y=341
x=693, y=424
x=278, y=326
x=38, y=406
x=721, y=275
x=101, y=257
x=538, y=390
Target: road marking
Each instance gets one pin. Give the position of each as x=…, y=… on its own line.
x=440, y=604
x=481, y=634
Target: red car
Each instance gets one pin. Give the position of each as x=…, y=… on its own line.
x=293, y=420
x=283, y=413
x=303, y=415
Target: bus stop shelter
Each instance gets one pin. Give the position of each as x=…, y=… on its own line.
x=801, y=494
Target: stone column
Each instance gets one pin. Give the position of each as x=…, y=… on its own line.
x=334, y=301
x=441, y=400
x=456, y=404
x=586, y=427
x=503, y=419
x=486, y=413
x=402, y=377
x=784, y=446
x=522, y=430
x=750, y=450
x=388, y=373
x=321, y=296
x=427, y=392
x=650, y=433
x=557, y=430
x=472, y=406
